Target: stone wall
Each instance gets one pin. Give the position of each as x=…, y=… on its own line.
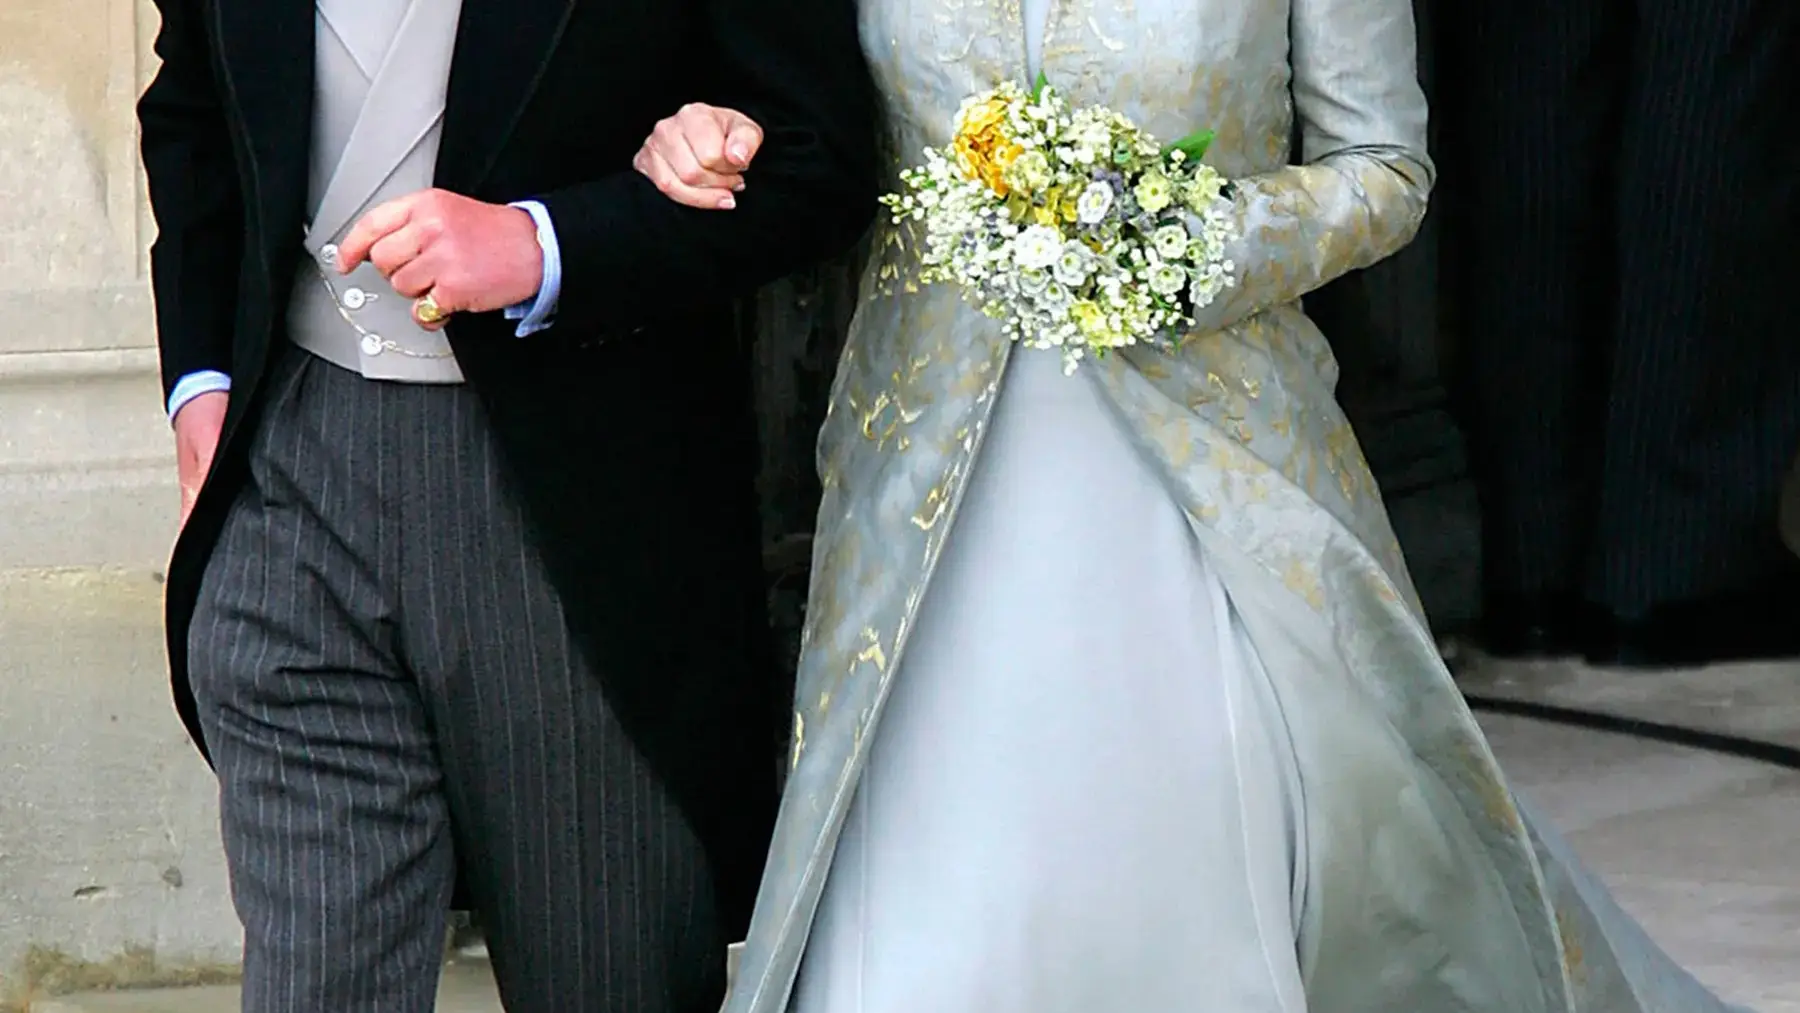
x=109, y=863
x=83, y=455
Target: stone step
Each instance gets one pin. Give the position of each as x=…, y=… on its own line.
x=468, y=987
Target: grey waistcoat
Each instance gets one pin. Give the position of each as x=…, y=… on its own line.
x=382, y=69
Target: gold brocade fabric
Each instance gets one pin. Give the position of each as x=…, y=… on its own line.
x=1429, y=890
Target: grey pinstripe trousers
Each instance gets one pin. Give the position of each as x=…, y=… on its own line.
x=389, y=691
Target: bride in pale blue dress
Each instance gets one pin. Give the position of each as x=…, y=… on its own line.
x=1115, y=693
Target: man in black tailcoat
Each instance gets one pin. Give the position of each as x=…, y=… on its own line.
x=472, y=583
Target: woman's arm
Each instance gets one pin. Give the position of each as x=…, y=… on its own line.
x=796, y=68
x=1362, y=191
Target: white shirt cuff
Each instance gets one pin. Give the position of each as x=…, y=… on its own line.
x=540, y=313
x=191, y=386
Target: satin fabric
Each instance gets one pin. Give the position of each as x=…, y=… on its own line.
x=1426, y=883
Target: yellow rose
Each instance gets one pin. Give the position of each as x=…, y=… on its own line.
x=984, y=147
x=982, y=116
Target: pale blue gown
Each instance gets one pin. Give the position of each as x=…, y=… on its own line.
x=1115, y=693
x=1082, y=795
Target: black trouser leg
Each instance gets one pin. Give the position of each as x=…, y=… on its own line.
x=1536, y=91
x=1703, y=384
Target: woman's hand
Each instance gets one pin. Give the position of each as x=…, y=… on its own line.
x=698, y=156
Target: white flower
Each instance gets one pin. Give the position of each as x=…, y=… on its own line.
x=1167, y=279
x=1204, y=189
x=1113, y=287
x=1096, y=201
x=1073, y=266
x=1033, y=281
x=1029, y=172
x=1154, y=191
x=1038, y=247
x=1170, y=242
x=1090, y=141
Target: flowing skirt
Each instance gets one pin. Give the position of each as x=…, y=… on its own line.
x=1083, y=795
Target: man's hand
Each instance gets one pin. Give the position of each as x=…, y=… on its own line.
x=197, y=428
x=698, y=156
x=466, y=255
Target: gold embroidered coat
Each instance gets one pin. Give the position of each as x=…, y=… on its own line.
x=1428, y=889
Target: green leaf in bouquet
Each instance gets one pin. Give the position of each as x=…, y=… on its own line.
x=1037, y=88
x=1193, y=146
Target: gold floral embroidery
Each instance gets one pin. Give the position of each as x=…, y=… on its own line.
x=1496, y=800
x=1304, y=581
x=936, y=503
x=1574, y=957
x=872, y=654
x=1239, y=420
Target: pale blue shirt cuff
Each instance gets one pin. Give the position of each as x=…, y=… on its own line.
x=538, y=314
x=191, y=386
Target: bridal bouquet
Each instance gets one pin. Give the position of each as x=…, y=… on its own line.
x=1071, y=225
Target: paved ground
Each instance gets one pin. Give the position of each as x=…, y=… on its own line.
x=1698, y=846
x=468, y=988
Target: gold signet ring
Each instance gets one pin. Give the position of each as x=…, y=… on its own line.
x=428, y=311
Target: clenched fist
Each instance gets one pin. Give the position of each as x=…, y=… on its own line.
x=468, y=256
x=699, y=155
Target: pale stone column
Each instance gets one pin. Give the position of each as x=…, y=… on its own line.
x=109, y=859
x=84, y=455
